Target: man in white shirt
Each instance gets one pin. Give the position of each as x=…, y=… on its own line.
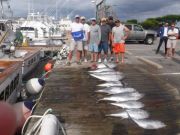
x=172, y=40
x=86, y=37
x=77, y=34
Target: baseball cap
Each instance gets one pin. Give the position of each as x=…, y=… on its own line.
x=83, y=18
x=93, y=19
x=103, y=19
x=77, y=16
x=117, y=21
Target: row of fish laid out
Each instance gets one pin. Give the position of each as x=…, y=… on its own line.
x=120, y=96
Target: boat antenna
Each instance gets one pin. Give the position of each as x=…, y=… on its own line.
x=2, y=10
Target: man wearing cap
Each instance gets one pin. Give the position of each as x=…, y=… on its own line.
x=86, y=37
x=119, y=35
x=77, y=34
x=105, y=39
x=95, y=38
x=112, y=24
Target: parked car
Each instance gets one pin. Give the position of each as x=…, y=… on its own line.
x=138, y=33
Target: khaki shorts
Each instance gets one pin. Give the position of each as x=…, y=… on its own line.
x=171, y=43
x=77, y=44
x=85, y=46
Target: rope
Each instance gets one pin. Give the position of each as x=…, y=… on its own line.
x=37, y=126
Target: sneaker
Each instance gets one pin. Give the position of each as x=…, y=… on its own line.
x=99, y=61
x=79, y=63
x=105, y=60
x=85, y=60
x=68, y=64
x=111, y=59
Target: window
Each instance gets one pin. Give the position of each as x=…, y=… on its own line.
x=7, y=92
x=129, y=27
x=138, y=28
x=2, y=27
x=27, y=28
x=2, y=96
x=11, y=88
x=16, y=81
x=29, y=63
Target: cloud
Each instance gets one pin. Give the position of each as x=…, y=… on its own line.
x=124, y=9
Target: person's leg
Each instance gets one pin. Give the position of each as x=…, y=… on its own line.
x=122, y=57
x=72, y=47
x=159, y=46
x=100, y=47
x=95, y=57
x=117, y=57
x=92, y=52
x=85, y=48
x=173, y=47
x=111, y=51
x=92, y=56
x=105, y=49
x=79, y=51
x=165, y=44
x=168, y=48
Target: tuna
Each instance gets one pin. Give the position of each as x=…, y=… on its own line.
x=116, y=90
x=111, y=84
x=129, y=105
x=149, y=124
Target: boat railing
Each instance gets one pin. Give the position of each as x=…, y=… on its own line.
x=3, y=36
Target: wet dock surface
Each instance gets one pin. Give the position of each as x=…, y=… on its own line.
x=70, y=92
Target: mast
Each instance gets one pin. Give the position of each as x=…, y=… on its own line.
x=2, y=9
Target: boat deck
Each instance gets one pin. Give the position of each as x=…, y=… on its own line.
x=70, y=92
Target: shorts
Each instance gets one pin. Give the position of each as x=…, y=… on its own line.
x=103, y=46
x=93, y=48
x=119, y=48
x=171, y=43
x=77, y=44
x=85, y=46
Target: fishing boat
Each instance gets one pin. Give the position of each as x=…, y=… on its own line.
x=29, y=56
x=41, y=30
x=10, y=80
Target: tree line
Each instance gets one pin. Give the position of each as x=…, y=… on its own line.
x=155, y=23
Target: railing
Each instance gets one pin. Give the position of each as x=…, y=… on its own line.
x=3, y=37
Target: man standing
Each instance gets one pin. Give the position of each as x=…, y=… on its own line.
x=111, y=24
x=163, y=33
x=173, y=34
x=77, y=34
x=105, y=39
x=86, y=37
x=119, y=35
x=95, y=38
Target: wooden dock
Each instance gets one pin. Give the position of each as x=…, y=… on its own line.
x=70, y=92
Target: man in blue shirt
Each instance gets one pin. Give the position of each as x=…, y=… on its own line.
x=163, y=34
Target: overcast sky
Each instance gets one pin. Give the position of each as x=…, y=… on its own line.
x=125, y=9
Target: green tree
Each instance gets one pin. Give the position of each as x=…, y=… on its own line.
x=150, y=24
x=132, y=21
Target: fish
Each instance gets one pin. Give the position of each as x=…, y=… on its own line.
x=137, y=114
x=123, y=97
x=101, y=65
x=129, y=105
x=116, y=90
x=111, y=65
x=110, y=73
x=111, y=84
x=149, y=124
x=108, y=77
x=102, y=70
